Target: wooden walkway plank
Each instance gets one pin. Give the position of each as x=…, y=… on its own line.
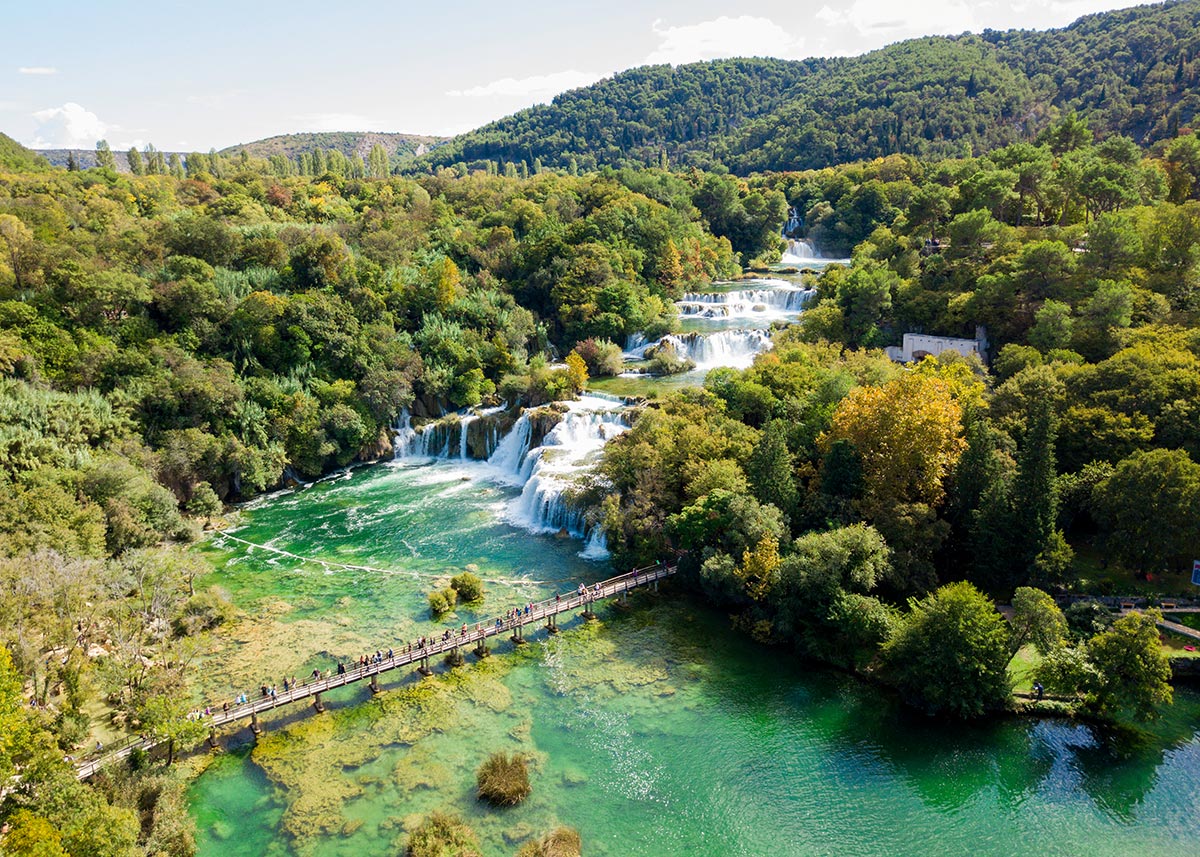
x=549, y=608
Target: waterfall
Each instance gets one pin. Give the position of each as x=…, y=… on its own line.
x=510, y=453
x=545, y=474
x=551, y=470
x=732, y=348
x=462, y=435
x=800, y=253
x=744, y=303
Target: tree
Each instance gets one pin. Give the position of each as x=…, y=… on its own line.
x=1130, y=671
x=204, y=502
x=105, y=159
x=908, y=436
x=378, y=162
x=136, y=165
x=1148, y=509
x=950, y=654
x=1052, y=326
x=1036, y=619
x=770, y=468
x=1034, y=499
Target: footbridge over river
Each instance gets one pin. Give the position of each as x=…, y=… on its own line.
x=451, y=644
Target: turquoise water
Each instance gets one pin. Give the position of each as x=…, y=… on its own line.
x=656, y=731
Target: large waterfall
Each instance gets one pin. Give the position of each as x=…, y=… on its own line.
x=801, y=253
x=733, y=348
x=545, y=474
x=745, y=303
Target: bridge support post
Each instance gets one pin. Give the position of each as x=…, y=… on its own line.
x=655, y=585
x=552, y=623
x=455, y=658
x=212, y=739
x=255, y=727
x=518, y=638
x=424, y=669
x=587, y=612
x=481, y=649
x=374, y=684
x=318, y=705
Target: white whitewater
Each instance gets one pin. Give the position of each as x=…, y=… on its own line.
x=549, y=472
x=780, y=300
x=735, y=349
x=545, y=474
x=803, y=254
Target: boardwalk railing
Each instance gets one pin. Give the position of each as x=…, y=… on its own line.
x=546, y=610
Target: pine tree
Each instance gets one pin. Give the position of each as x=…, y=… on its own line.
x=136, y=166
x=770, y=468
x=72, y=164
x=104, y=156
x=1034, y=499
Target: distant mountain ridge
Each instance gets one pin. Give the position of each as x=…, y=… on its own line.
x=346, y=142
x=1134, y=71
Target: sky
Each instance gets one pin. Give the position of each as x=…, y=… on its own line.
x=194, y=76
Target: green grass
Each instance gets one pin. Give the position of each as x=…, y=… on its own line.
x=1022, y=669
x=1094, y=576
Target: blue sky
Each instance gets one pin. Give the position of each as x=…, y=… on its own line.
x=195, y=75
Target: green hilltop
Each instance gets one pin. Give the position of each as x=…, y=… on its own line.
x=1132, y=72
x=16, y=158
x=346, y=142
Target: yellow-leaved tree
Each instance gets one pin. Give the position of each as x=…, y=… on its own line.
x=907, y=435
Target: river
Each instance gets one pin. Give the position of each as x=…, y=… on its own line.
x=654, y=731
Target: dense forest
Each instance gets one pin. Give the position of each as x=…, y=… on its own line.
x=815, y=491
x=203, y=329
x=1131, y=72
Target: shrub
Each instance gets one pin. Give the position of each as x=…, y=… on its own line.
x=442, y=834
x=442, y=601
x=665, y=360
x=203, y=612
x=504, y=779
x=601, y=356
x=560, y=842
x=468, y=586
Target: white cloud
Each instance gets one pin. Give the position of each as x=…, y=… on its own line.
x=37, y=69
x=340, y=122
x=535, y=86
x=891, y=20
x=743, y=36
x=68, y=127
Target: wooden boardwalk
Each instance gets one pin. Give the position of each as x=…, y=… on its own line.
x=546, y=611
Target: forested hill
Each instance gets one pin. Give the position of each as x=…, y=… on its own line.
x=1133, y=72
x=16, y=158
x=347, y=142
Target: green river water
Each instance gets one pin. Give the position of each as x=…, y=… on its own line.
x=655, y=731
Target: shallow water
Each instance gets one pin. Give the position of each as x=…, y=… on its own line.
x=655, y=731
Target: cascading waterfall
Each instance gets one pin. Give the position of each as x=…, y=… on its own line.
x=551, y=470
x=545, y=474
x=747, y=303
x=733, y=348
x=800, y=253
x=437, y=439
